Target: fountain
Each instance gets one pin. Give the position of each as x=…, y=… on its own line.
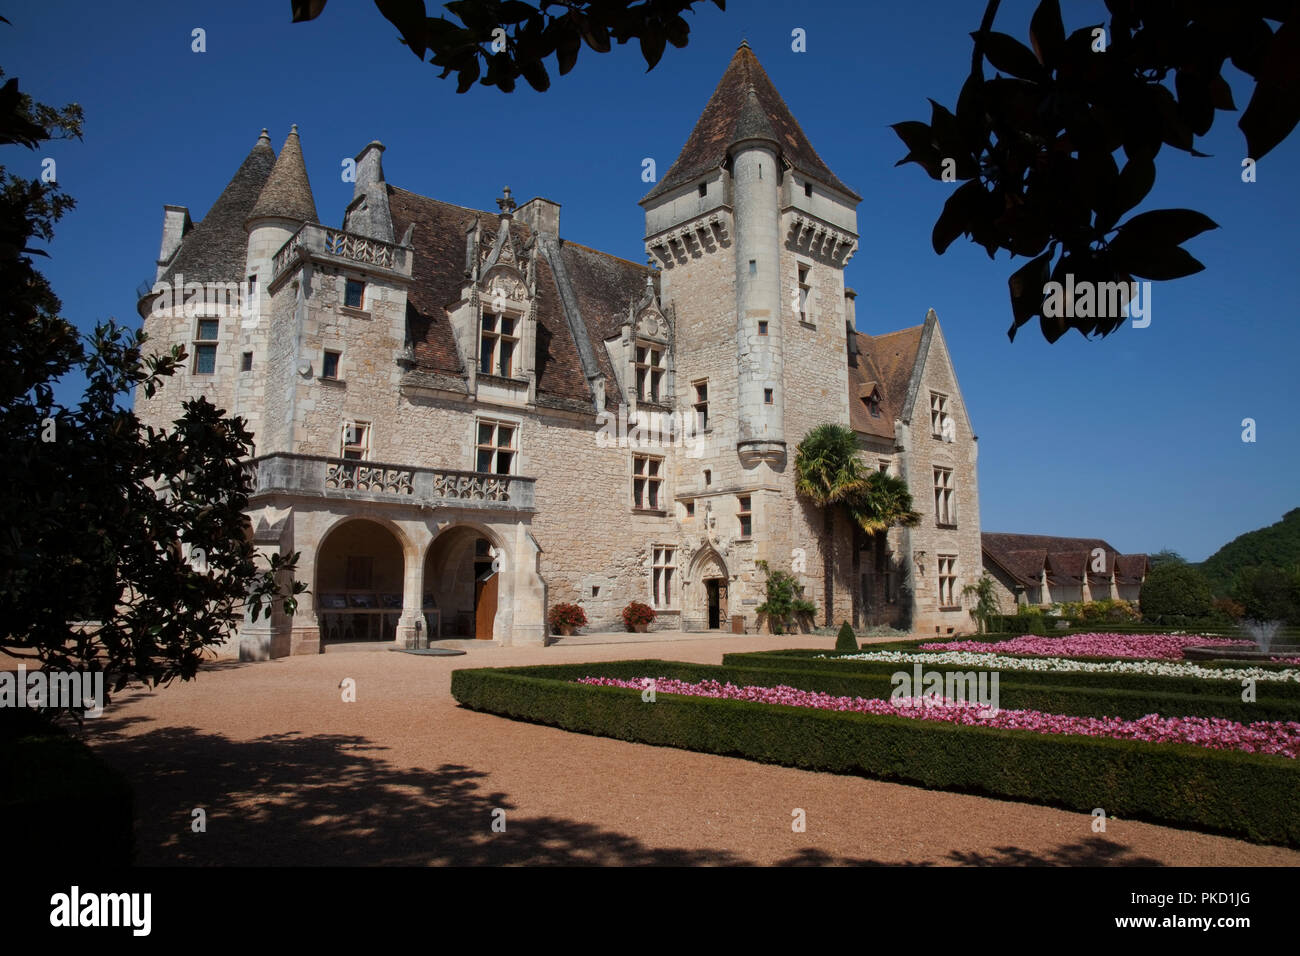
x=1263, y=633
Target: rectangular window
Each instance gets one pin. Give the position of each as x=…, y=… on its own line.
x=205, y=347
x=650, y=369
x=664, y=576
x=246, y=364
x=940, y=422
x=804, y=290
x=647, y=481
x=708, y=477
x=762, y=327
x=745, y=516
x=690, y=508
x=354, y=294
x=704, y=190
x=945, y=497
x=495, y=447
x=883, y=466
x=701, y=405
x=807, y=189
x=753, y=267
x=330, y=366
x=356, y=440
x=497, y=344
x=767, y=396
x=948, y=581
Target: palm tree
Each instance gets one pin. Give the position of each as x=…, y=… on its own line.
x=829, y=473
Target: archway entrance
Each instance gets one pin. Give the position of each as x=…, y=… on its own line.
x=359, y=583
x=460, y=585
x=707, y=601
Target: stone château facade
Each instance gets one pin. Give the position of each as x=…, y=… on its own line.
x=462, y=418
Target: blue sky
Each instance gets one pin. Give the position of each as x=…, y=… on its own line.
x=1135, y=438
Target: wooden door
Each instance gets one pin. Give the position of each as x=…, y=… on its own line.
x=485, y=607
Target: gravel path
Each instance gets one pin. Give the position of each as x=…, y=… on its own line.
x=287, y=773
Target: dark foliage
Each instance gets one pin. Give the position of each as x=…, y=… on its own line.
x=496, y=42
x=1061, y=142
x=124, y=549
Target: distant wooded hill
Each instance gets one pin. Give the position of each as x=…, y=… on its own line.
x=1276, y=546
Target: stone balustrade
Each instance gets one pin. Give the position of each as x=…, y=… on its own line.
x=324, y=243
x=379, y=481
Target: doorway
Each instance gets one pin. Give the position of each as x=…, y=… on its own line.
x=715, y=590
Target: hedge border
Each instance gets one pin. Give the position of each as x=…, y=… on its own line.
x=807, y=658
x=1244, y=795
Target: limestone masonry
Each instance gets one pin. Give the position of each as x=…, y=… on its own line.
x=462, y=418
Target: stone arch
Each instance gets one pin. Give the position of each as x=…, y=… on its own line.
x=359, y=578
x=465, y=565
x=707, y=591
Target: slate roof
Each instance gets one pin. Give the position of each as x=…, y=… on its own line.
x=216, y=248
x=734, y=113
x=1066, y=560
x=287, y=193
x=886, y=361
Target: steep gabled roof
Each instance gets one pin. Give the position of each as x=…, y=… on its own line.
x=287, y=193
x=603, y=286
x=887, y=362
x=216, y=248
x=745, y=105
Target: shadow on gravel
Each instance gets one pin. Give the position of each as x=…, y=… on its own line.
x=333, y=800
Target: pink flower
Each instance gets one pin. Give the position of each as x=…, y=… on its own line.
x=1162, y=646
x=1280, y=738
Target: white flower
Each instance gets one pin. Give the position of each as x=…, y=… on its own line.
x=1163, y=668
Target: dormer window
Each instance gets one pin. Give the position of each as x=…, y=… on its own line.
x=497, y=342
x=650, y=370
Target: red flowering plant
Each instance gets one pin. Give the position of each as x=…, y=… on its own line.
x=637, y=614
x=569, y=616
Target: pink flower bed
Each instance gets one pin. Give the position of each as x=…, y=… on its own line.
x=1164, y=646
x=1281, y=738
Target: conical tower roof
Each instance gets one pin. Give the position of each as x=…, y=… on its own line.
x=287, y=193
x=745, y=105
x=216, y=249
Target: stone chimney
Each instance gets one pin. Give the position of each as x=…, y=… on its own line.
x=368, y=213
x=176, y=223
x=541, y=216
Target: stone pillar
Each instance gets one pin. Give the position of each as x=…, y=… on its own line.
x=412, y=599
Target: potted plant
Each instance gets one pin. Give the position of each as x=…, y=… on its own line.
x=566, y=618
x=637, y=617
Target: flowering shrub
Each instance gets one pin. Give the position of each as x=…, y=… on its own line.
x=566, y=615
x=1114, y=611
x=1164, y=646
x=1281, y=738
x=637, y=613
x=1001, y=661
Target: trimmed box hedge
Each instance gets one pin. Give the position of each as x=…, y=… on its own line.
x=1046, y=696
x=807, y=659
x=1244, y=795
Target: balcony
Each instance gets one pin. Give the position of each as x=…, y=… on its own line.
x=336, y=247
x=318, y=476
